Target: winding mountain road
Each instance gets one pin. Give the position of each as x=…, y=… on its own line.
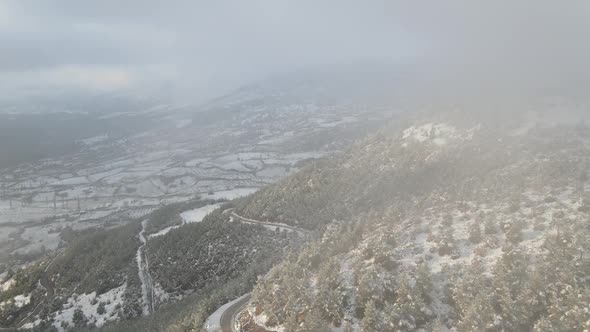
x=224, y=318
x=228, y=317
x=286, y=227
x=47, y=284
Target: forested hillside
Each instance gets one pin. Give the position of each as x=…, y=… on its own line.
x=193, y=268
x=190, y=257
x=437, y=226
x=433, y=226
x=204, y=265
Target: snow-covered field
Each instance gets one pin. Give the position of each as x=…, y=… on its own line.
x=196, y=215
x=116, y=178
x=231, y=194
x=95, y=139
x=39, y=237
x=438, y=133
x=190, y=216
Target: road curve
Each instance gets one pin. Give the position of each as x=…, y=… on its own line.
x=228, y=317
x=227, y=320
x=299, y=231
x=46, y=283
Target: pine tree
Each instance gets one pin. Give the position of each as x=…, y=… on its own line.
x=511, y=275
x=533, y=297
x=101, y=308
x=544, y=324
x=368, y=287
x=490, y=227
x=424, y=281
x=78, y=318
x=347, y=327
x=474, y=232
x=469, y=286
x=447, y=243
x=478, y=316
x=569, y=308
x=409, y=311
x=314, y=322
x=436, y=325
x=514, y=231
x=330, y=297
x=291, y=322
x=370, y=319
x=563, y=259
x=447, y=221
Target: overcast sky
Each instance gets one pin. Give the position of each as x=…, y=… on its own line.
x=197, y=49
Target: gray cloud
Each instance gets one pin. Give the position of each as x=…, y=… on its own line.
x=196, y=49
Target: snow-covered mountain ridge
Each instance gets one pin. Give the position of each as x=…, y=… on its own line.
x=486, y=232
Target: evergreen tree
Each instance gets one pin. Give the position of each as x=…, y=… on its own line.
x=78, y=318
x=474, y=232
x=314, y=322
x=369, y=287
x=563, y=261
x=347, y=327
x=478, y=315
x=424, y=281
x=511, y=275
x=329, y=298
x=436, y=325
x=447, y=221
x=409, y=310
x=490, y=227
x=467, y=287
x=370, y=318
x=291, y=322
x=514, y=231
x=569, y=308
x=100, y=309
x=447, y=242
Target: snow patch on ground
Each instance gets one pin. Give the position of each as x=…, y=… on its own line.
x=89, y=303
x=7, y=284
x=71, y=181
x=94, y=140
x=22, y=300
x=102, y=175
x=271, y=172
x=183, y=123
x=439, y=134
x=160, y=295
x=261, y=319
x=231, y=194
x=195, y=162
x=19, y=301
x=527, y=126
x=343, y=121
x=163, y=231
x=40, y=238
x=197, y=215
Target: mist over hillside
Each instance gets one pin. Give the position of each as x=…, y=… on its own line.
x=294, y=166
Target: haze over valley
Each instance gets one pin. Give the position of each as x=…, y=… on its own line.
x=294, y=166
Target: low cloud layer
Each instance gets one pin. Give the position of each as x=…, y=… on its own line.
x=193, y=50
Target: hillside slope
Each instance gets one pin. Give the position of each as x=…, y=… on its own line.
x=447, y=224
